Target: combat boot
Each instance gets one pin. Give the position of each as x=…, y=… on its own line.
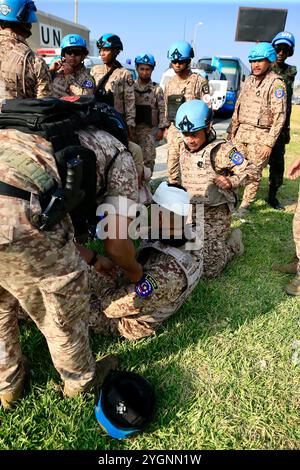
x=103, y=368
x=287, y=268
x=272, y=199
x=235, y=241
x=293, y=287
x=10, y=398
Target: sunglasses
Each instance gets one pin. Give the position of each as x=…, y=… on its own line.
x=282, y=48
x=178, y=62
x=76, y=52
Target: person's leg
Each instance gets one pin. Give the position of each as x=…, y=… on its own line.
x=293, y=287
x=276, y=164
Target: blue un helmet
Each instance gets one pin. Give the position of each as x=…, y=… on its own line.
x=73, y=40
x=19, y=11
x=180, y=50
x=284, y=37
x=262, y=50
x=145, y=59
x=192, y=116
x=126, y=404
x=110, y=41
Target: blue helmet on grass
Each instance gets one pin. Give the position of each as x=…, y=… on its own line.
x=18, y=11
x=180, y=50
x=110, y=41
x=261, y=51
x=145, y=59
x=192, y=116
x=126, y=404
x=284, y=37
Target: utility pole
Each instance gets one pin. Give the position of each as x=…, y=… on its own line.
x=75, y=11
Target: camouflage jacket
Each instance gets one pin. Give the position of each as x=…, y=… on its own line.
x=22, y=73
x=152, y=95
x=288, y=74
x=77, y=83
x=120, y=83
x=193, y=87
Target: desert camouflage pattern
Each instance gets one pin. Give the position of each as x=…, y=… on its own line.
x=119, y=311
x=288, y=74
x=296, y=232
x=197, y=172
x=44, y=273
x=151, y=95
x=120, y=83
x=258, y=120
x=122, y=181
x=74, y=84
x=194, y=87
x=22, y=73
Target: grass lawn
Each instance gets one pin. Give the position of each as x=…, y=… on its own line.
x=224, y=368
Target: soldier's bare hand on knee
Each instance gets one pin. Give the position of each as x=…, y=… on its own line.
x=223, y=182
x=265, y=152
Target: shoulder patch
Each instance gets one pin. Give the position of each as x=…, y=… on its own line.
x=146, y=286
x=129, y=81
x=236, y=157
x=205, y=89
x=88, y=84
x=279, y=91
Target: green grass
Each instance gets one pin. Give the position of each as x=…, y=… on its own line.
x=222, y=366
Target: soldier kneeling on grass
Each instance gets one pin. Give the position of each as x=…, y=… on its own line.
x=172, y=266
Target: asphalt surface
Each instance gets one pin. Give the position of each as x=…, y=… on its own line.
x=160, y=169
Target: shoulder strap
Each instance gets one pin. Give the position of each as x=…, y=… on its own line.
x=101, y=84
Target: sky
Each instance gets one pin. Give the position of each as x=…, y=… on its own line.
x=151, y=26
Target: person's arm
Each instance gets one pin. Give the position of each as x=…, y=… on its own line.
x=43, y=81
x=174, y=161
x=129, y=102
x=100, y=263
x=162, y=120
x=294, y=170
x=237, y=171
x=278, y=111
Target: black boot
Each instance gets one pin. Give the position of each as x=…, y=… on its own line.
x=272, y=199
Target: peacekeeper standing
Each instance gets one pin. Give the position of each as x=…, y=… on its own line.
x=22, y=73
x=171, y=272
x=150, y=109
x=284, y=44
x=42, y=271
x=259, y=115
x=114, y=83
x=184, y=86
x=70, y=77
x=210, y=171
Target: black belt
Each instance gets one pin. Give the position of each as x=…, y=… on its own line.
x=12, y=191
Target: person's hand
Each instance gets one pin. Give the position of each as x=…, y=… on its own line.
x=105, y=266
x=68, y=69
x=222, y=182
x=135, y=274
x=159, y=134
x=166, y=133
x=265, y=152
x=56, y=66
x=294, y=170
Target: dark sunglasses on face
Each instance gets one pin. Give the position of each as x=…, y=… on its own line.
x=178, y=62
x=284, y=49
x=76, y=52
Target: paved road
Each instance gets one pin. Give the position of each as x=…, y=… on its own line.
x=160, y=169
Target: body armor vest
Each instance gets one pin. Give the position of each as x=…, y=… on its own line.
x=191, y=264
x=13, y=72
x=197, y=173
x=255, y=109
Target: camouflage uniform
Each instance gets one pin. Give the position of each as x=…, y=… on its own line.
x=276, y=160
x=296, y=231
x=118, y=310
x=41, y=270
x=22, y=74
x=257, y=120
x=120, y=187
x=120, y=83
x=193, y=87
x=148, y=97
x=198, y=169
x=77, y=83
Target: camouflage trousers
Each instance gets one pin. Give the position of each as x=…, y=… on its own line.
x=217, y=251
x=44, y=273
x=296, y=232
x=251, y=151
x=143, y=136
